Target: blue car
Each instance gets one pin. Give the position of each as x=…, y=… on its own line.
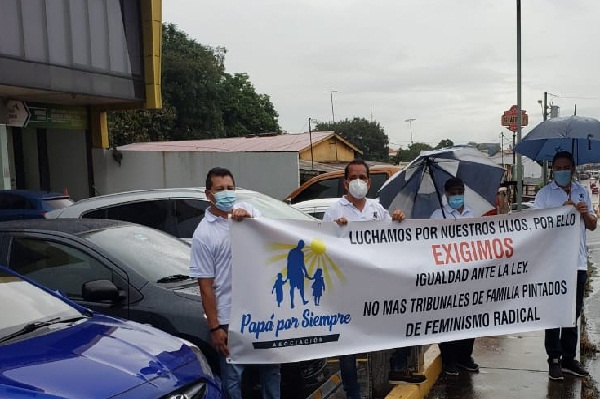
x=52, y=348
x=30, y=204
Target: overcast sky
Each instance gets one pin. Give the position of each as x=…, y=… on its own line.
x=449, y=64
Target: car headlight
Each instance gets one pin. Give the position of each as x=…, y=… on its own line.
x=194, y=391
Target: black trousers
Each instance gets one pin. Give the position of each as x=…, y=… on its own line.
x=562, y=342
x=456, y=351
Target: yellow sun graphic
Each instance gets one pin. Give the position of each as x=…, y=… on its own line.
x=315, y=257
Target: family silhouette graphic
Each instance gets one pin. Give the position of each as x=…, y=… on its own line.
x=278, y=289
x=318, y=286
x=296, y=275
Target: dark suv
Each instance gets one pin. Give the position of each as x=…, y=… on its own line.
x=331, y=184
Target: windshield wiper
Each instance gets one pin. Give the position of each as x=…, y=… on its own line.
x=173, y=278
x=31, y=327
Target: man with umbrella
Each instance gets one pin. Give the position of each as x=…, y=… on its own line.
x=459, y=353
x=356, y=207
x=561, y=343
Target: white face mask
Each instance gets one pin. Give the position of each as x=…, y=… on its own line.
x=358, y=188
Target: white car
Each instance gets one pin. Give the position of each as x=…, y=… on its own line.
x=524, y=206
x=176, y=211
x=315, y=207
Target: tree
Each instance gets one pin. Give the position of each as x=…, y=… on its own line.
x=245, y=111
x=411, y=153
x=444, y=144
x=200, y=100
x=368, y=136
x=126, y=127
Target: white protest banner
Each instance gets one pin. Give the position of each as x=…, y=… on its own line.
x=305, y=290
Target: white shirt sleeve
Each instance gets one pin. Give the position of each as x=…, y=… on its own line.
x=202, y=264
x=437, y=214
x=330, y=213
x=385, y=214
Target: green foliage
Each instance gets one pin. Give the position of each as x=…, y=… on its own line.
x=200, y=100
x=444, y=144
x=412, y=152
x=126, y=127
x=245, y=111
x=369, y=137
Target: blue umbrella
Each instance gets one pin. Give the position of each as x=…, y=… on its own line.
x=579, y=135
x=418, y=189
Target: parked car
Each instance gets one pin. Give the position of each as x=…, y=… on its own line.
x=125, y=270
x=30, y=204
x=524, y=206
x=315, y=207
x=52, y=348
x=331, y=184
x=583, y=175
x=174, y=210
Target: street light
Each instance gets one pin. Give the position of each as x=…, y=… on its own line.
x=410, y=121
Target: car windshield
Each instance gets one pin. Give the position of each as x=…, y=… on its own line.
x=152, y=253
x=56, y=203
x=22, y=303
x=270, y=207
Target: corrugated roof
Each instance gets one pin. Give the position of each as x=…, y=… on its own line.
x=255, y=143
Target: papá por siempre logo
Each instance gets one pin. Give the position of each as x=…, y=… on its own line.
x=304, y=265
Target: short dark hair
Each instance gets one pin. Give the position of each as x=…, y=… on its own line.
x=564, y=155
x=356, y=162
x=454, y=183
x=217, y=172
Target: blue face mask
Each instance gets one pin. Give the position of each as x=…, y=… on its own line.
x=562, y=177
x=224, y=200
x=456, y=201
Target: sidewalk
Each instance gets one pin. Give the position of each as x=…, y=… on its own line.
x=511, y=366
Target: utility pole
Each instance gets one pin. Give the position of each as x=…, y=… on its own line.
x=519, y=113
x=312, y=161
x=331, y=99
x=545, y=174
x=502, y=149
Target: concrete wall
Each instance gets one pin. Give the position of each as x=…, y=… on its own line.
x=272, y=173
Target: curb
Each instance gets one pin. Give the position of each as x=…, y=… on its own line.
x=432, y=366
x=325, y=390
x=433, y=369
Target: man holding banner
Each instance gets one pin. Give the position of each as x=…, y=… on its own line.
x=354, y=206
x=561, y=344
x=211, y=264
x=459, y=353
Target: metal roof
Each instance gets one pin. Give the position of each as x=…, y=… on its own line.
x=251, y=143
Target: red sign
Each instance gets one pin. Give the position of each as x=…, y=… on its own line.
x=509, y=118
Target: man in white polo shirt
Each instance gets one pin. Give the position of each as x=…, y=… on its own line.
x=355, y=207
x=561, y=343
x=211, y=264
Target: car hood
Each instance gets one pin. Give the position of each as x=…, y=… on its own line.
x=189, y=291
x=100, y=358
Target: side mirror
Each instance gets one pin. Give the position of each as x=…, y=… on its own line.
x=100, y=290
